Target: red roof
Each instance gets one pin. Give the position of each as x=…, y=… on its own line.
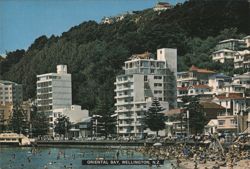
x=230, y=96
x=182, y=88
x=194, y=68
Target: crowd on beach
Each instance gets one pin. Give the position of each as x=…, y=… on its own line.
x=202, y=156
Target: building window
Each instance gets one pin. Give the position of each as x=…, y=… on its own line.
x=145, y=78
x=221, y=122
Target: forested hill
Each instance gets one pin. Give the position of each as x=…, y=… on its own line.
x=95, y=53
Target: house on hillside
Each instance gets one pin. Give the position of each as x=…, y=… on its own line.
x=217, y=82
x=234, y=103
x=162, y=6
x=195, y=76
x=223, y=55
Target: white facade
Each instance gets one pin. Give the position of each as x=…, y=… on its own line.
x=223, y=55
x=233, y=88
x=144, y=79
x=233, y=102
x=243, y=80
x=239, y=58
x=162, y=6
x=74, y=112
x=10, y=93
x=247, y=41
x=217, y=82
x=54, y=91
x=198, y=90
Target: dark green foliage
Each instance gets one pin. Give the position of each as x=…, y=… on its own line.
x=11, y=59
x=62, y=125
x=196, y=115
x=95, y=53
x=155, y=119
x=104, y=108
x=39, y=122
x=18, y=121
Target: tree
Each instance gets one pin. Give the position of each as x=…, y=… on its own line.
x=62, y=125
x=155, y=119
x=18, y=121
x=107, y=122
x=196, y=115
x=39, y=122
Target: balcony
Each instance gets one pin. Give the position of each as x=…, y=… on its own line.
x=124, y=81
x=224, y=126
x=125, y=124
x=122, y=117
x=124, y=88
x=181, y=79
x=124, y=96
x=122, y=110
x=123, y=103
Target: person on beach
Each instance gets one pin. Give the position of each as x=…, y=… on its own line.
x=117, y=155
x=178, y=161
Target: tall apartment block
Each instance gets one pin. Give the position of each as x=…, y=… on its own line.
x=144, y=78
x=54, y=91
x=10, y=93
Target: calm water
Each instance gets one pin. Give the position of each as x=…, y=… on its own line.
x=53, y=158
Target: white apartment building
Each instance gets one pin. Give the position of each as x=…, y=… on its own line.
x=239, y=58
x=217, y=82
x=247, y=41
x=145, y=78
x=74, y=112
x=243, y=80
x=223, y=55
x=54, y=91
x=195, y=76
x=236, y=50
x=10, y=93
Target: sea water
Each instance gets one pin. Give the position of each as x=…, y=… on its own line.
x=65, y=157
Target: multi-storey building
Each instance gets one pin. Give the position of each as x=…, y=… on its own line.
x=234, y=103
x=10, y=93
x=223, y=55
x=195, y=76
x=247, y=41
x=5, y=114
x=232, y=50
x=243, y=80
x=145, y=78
x=54, y=91
x=232, y=44
x=239, y=58
x=217, y=82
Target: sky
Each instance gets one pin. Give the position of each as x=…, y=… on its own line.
x=22, y=21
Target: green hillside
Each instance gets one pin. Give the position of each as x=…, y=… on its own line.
x=95, y=53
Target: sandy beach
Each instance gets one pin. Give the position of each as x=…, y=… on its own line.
x=187, y=164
